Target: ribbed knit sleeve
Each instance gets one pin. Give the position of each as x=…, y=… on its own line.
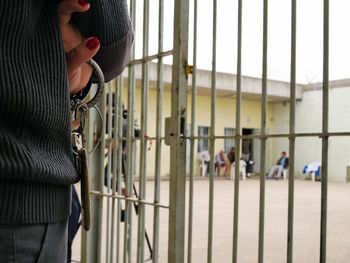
x=36, y=166
x=109, y=21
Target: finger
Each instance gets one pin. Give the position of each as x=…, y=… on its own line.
x=67, y=7
x=81, y=54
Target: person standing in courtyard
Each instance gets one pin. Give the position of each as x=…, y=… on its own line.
x=281, y=164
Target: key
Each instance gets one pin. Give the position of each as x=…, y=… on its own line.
x=82, y=166
x=81, y=113
x=84, y=188
x=78, y=141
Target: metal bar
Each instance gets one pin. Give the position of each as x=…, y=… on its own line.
x=263, y=140
x=128, y=176
x=280, y=135
x=193, y=123
x=89, y=239
x=176, y=246
x=114, y=160
x=143, y=135
x=101, y=177
x=158, y=140
x=325, y=111
x=118, y=132
x=150, y=58
x=292, y=131
x=108, y=175
x=130, y=199
x=83, y=246
x=212, y=141
x=238, y=132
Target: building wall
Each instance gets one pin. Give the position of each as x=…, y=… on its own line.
x=309, y=119
x=225, y=117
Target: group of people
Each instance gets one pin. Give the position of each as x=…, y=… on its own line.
x=222, y=162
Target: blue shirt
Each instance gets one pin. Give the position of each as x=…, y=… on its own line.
x=283, y=160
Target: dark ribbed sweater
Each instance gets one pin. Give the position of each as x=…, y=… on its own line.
x=36, y=168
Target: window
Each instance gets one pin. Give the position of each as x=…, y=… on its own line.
x=203, y=144
x=229, y=143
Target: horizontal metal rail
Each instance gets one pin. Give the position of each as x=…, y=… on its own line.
x=257, y=136
x=150, y=58
x=131, y=199
x=281, y=135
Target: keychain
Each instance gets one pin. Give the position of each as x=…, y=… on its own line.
x=81, y=109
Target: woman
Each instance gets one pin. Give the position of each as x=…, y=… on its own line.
x=44, y=46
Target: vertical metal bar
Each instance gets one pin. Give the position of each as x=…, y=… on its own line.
x=129, y=171
x=118, y=149
x=84, y=255
x=238, y=132
x=101, y=177
x=109, y=169
x=263, y=140
x=130, y=148
x=143, y=135
x=325, y=110
x=212, y=139
x=292, y=131
x=160, y=69
x=114, y=160
x=115, y=167
x=89, y=239
x=176, y=246
x=193, y=123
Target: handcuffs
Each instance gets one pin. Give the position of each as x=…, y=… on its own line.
x=81, y=108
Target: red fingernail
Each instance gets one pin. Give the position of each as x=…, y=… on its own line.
x=83, y=3
x=92, y=43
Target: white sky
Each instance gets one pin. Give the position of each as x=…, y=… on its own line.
x=309, y=37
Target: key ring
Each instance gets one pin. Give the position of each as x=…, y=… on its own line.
x=100, y=83
x=101, y=130
x=79, y=97
x=83, y=107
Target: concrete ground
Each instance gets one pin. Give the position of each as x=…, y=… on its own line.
x=306, y=222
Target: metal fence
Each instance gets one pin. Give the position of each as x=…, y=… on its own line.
x=119, y=245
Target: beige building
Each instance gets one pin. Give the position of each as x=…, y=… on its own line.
x=308, y=118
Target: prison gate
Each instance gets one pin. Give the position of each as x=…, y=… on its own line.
x=107, y=177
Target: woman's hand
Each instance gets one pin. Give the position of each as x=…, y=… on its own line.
x=78, y=50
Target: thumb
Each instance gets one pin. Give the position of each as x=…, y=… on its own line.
x=81, y=54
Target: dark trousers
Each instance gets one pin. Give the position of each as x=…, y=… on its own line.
x=39, y=243
x=73, y=222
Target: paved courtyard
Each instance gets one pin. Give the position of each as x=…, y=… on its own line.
x=306, y=222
